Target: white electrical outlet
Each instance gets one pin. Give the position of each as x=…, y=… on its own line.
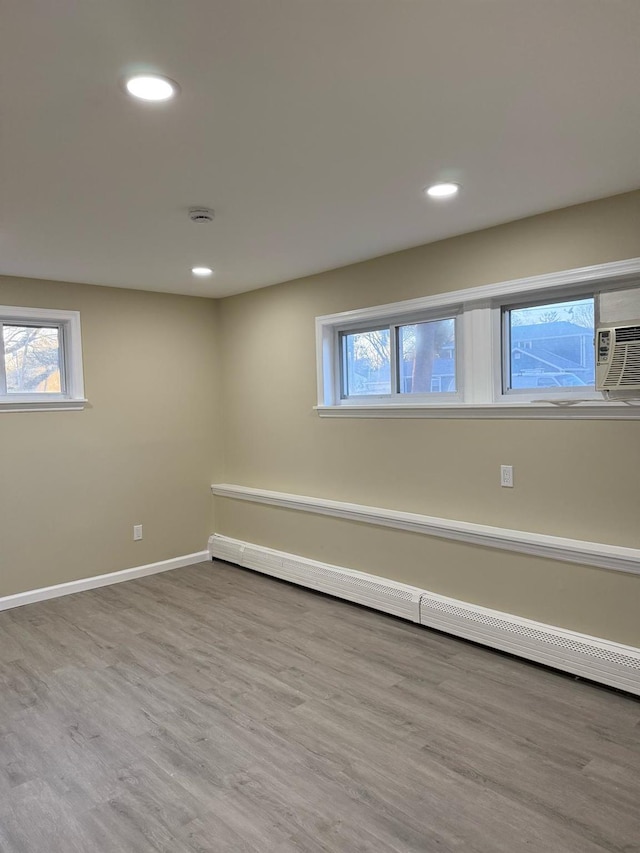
x=506, y=476
x=137, y=532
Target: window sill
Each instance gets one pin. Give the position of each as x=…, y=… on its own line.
x=596, y=410
x=60, y=404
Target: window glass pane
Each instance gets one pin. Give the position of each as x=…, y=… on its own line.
x=367, y=362
x=427, y=357
x=552, y=345
x=32, y=359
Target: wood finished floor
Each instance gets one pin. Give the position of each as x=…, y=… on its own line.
x=213, y=709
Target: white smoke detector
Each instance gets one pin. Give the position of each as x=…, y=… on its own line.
x=201, y=214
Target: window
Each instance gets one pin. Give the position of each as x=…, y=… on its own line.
x=399, y=359
x=40, y=359
x=515, y=349
x=549, y=345
x=32, y=359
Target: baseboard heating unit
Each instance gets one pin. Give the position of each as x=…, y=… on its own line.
x=370, y=590
x=600, y=660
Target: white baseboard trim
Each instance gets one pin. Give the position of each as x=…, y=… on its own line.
x=33, y=595
x=600, y=660
x=601, y=555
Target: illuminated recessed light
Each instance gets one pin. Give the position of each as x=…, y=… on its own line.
x=203, y=272
x=446, y=189
x=151, y=87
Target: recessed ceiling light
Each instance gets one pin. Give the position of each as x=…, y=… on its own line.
x=151, y=87
x=447, y=189
x=202, y=271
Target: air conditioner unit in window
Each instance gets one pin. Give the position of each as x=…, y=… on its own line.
x=618, y=359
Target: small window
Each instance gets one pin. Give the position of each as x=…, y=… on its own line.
x=40, y=359
x=549, y=346
x=33, y=359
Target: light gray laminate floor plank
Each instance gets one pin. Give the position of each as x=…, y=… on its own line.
x=211, y=709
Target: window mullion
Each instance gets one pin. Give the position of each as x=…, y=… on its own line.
x=395, y=362
x=63, y=360
x=3, y=372
x=478, y=354
x=339, y=368
x=505, y=352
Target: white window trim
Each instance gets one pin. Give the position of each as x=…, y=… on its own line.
x=73, y=398
x=480, y=374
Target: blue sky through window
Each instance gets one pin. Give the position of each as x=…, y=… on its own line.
x=552, y=345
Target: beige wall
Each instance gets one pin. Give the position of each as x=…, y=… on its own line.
x=151, y=441
x=575, y=479
x=72, y=484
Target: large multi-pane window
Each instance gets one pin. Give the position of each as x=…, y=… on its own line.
x=399, y=359
x=509, y=349
x=545, y=349
x=549, y=345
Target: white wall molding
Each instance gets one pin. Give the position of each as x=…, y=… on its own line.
x=595, y=410
x=59, y=404
x=591, y=657
x=47, y=592
x=601, y=555
x=610, y=275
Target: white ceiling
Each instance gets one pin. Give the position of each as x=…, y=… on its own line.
x=311, y=126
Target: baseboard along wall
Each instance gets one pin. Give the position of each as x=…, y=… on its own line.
x=594, y=658
x=46, y=592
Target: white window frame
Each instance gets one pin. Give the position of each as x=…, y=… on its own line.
x=393, y=323
x=479, y=316
x=71, y=361
x=566, y=394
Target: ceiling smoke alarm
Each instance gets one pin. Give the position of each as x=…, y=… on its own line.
x=201, y=214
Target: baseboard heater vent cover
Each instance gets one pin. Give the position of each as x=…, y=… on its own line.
x=372, y=591
x=591, y=657
x=229, y=550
